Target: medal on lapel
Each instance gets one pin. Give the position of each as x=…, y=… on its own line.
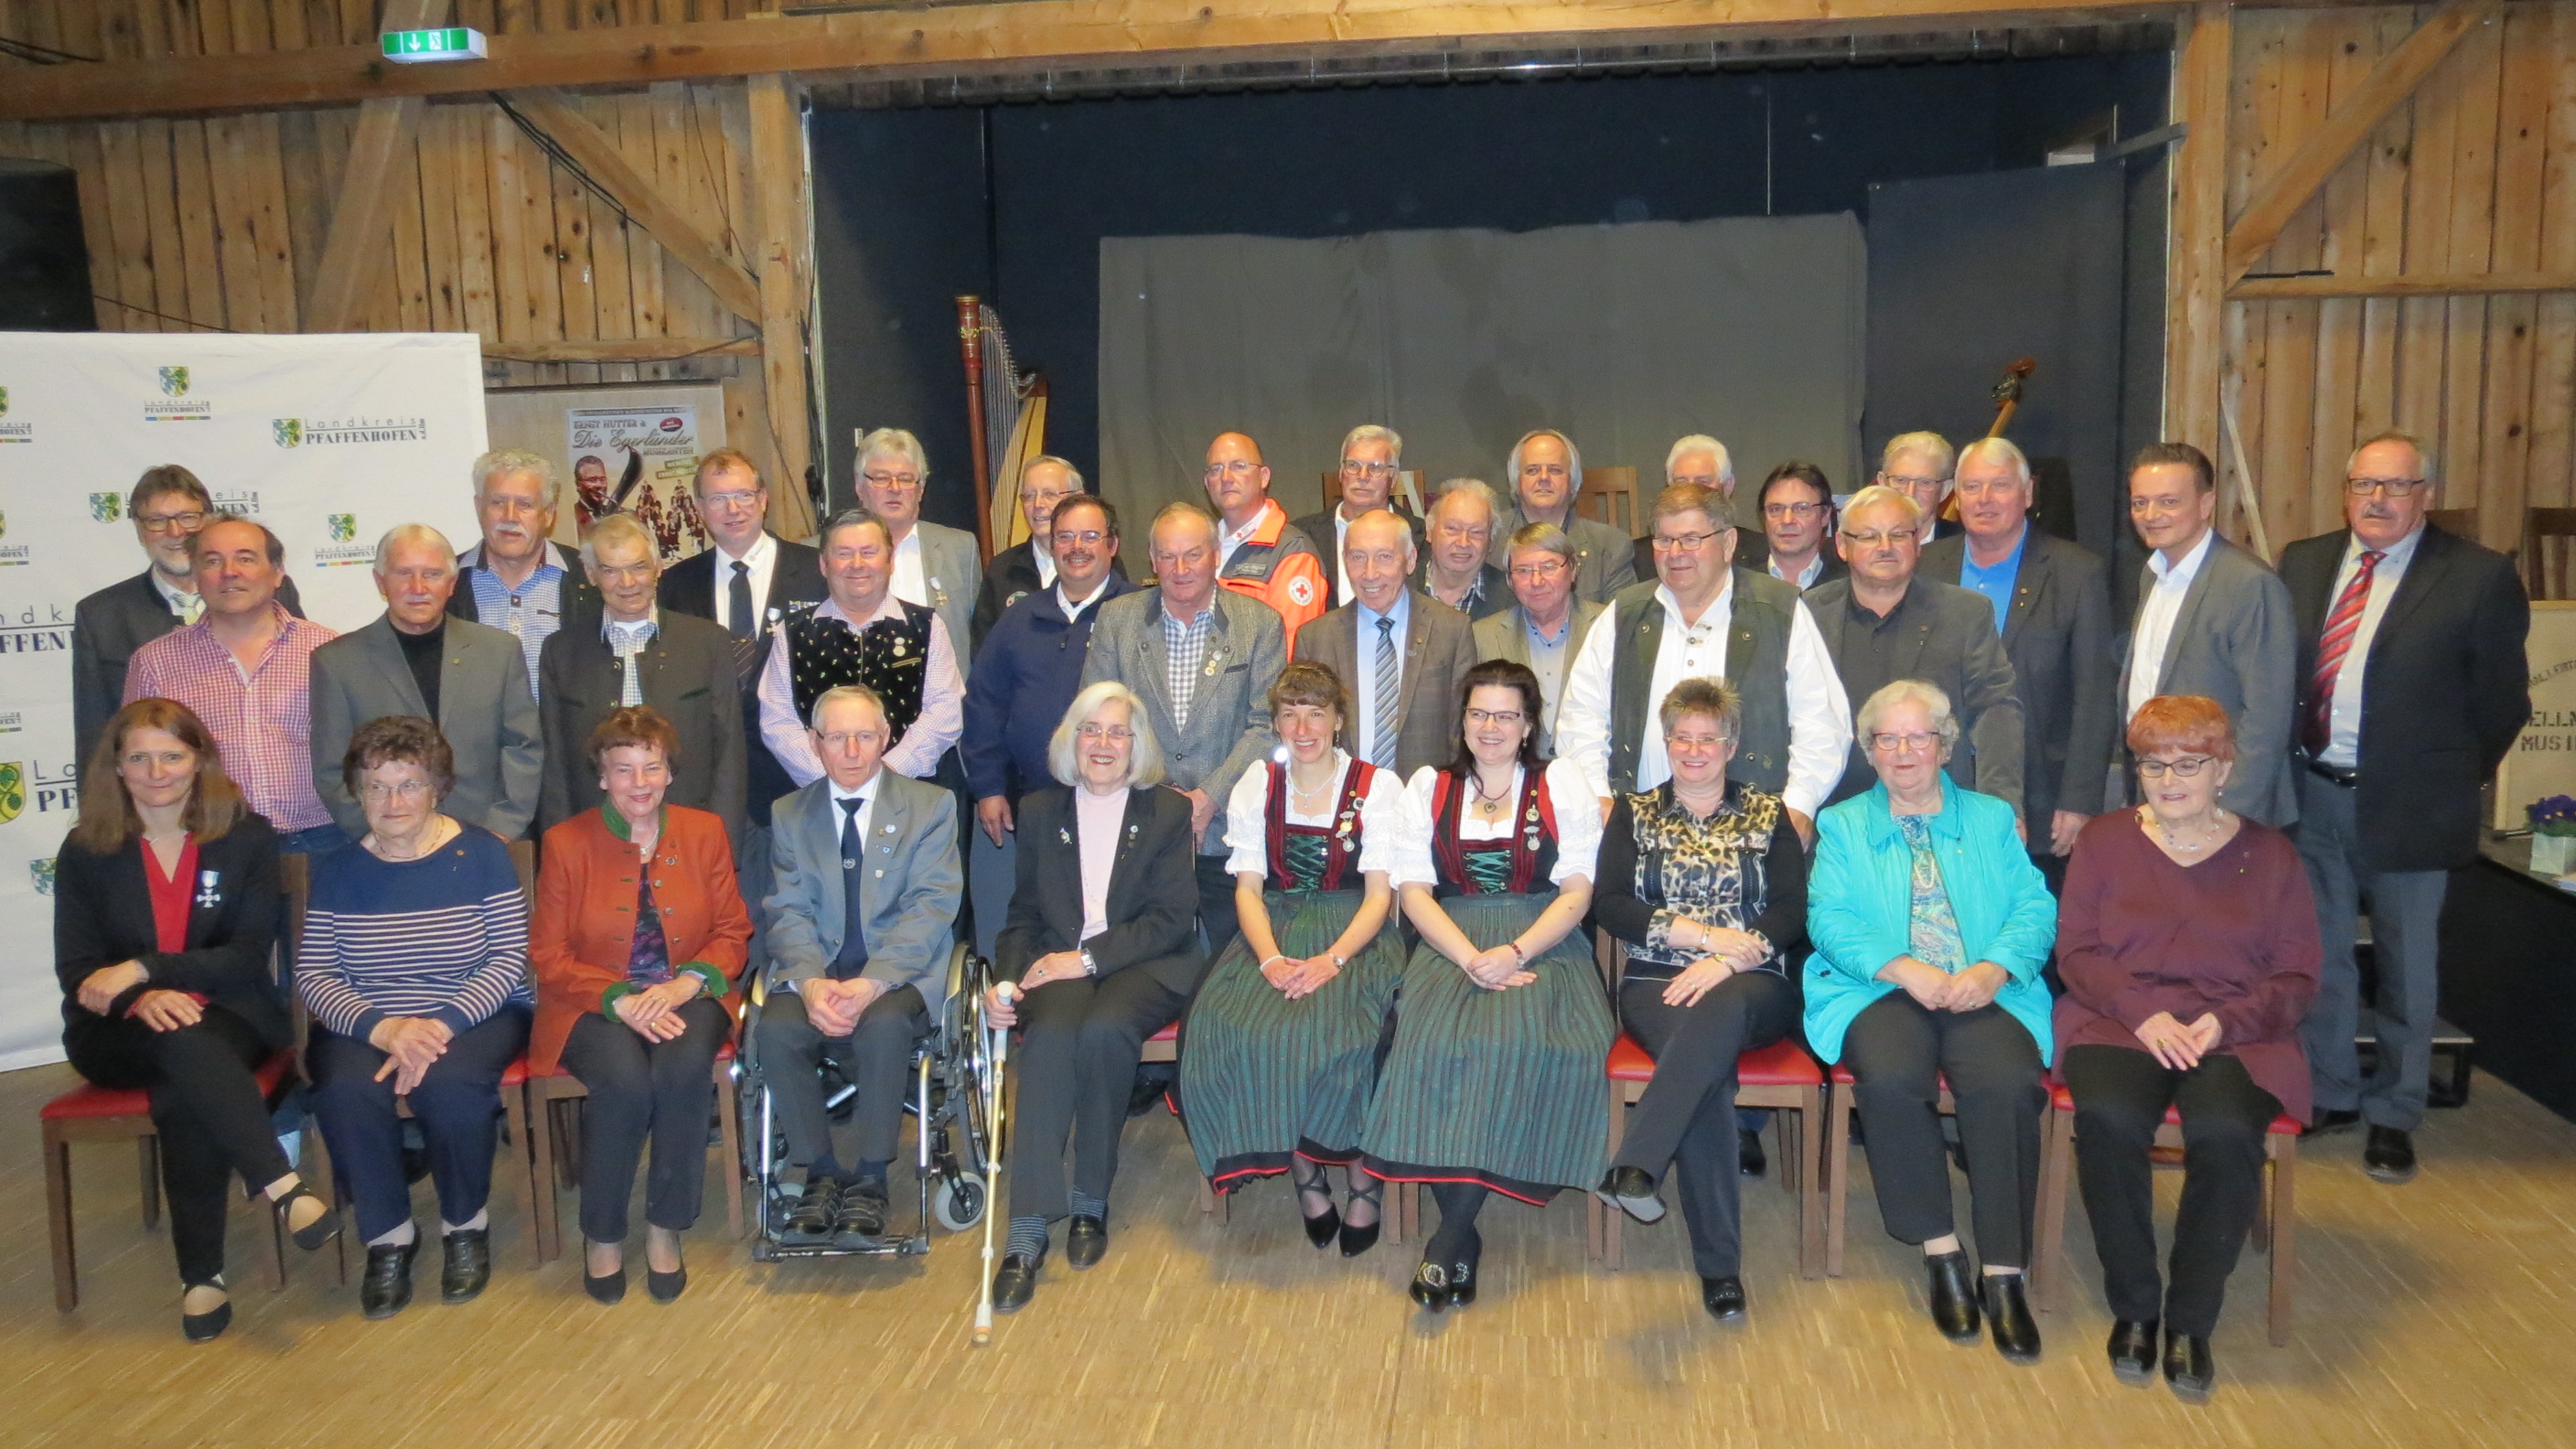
x=938, y=595
x=1530, y=824
x=1215, y=657
x=209, y=891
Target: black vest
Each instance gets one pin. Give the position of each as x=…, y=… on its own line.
x=890, y=656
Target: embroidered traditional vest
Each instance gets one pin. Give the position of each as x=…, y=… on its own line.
x=1316, y=857
x=890, y=656
x=1516, y=865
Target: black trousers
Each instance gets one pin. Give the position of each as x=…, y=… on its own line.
x=2120, y=1098
x=1217, y=920
x=1899, y=1051
x=875, y=1059
x=665, y=1090
x=1075, y=1060
x=1687, y=1117
x=206, y=1105
x=458, y=1106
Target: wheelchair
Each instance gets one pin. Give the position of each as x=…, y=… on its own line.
x=950, y=1104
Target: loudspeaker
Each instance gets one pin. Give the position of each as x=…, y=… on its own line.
x=44, y=260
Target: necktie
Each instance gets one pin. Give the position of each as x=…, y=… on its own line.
x=2332, y=646
x=738, y=602
x=1382, y=749
x=191, y=608
x=854, y=858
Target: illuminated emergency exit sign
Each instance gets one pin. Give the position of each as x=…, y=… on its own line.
x=411, y=47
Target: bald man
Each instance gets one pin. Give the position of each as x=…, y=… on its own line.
x=1400, y=651
x=1261, y=555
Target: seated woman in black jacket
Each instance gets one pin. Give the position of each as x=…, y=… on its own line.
x=1704, y=882
x=165, y=907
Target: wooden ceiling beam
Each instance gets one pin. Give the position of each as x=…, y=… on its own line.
x=2404, y=284
x=1027, y=34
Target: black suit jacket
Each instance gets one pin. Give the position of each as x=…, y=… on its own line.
x=688, y=677
x=103, y=915
x=580, y=600
x=107, y=627
x=689, y=587
x=2444, y=691
x=2057, y=631
x=1153, y=890
x=1010, y=577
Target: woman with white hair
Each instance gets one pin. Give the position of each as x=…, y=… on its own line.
x=1930, y=926
x=1099, y=954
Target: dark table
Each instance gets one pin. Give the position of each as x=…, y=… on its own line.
x=2509, y=972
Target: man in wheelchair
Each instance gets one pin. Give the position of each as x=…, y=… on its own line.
x=864, y=901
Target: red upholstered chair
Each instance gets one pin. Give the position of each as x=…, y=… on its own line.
x=1780, y=1076
x=1838, y=1152
x=2275, y=1225
x=556, y=1157
x=101, y=1114
x=514, y=1110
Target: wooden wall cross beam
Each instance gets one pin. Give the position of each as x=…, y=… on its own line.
x=2277, y=197
x=353, y=251
x=662, y=219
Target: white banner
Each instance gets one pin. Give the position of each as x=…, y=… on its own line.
x=328, y=440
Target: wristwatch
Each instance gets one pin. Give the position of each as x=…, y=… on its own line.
x=1089, y=966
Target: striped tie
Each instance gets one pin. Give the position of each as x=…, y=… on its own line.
x=2336, y=642
x=1382, y=749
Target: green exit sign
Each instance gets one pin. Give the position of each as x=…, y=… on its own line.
x=456, y=42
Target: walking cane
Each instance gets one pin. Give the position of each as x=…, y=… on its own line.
x=1001, y=1044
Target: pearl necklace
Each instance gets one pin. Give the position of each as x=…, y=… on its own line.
x=2217, y=823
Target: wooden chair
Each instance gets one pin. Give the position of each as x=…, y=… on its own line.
x=1838, y=1160
x=556, y=1156
x=2275, y=1225
x=1781, y=1077
x=2549, y=553
x=1610, y=496
x=2460, y=522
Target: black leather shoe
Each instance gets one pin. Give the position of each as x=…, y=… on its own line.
x=1722, y=1297
x=2008, y=1315
x=2389, y=1155
x=315, y=1233
x=1462, y=1279
x=2328, y=1122
x=1431, y=1285
x=605, y=1287
x=1954, y=1298
x=386, y=1288
x=1085, y=1239
x=1631, y=1191
x=1321, y=1228
x=2188, y=1370
x=210, y=1325
x=859, y=1218
x=666, y=1287
x=1749, y=1157
x=467, y=1265
x=1358, y=1239
x=1015, y=1280
x=811, y=1216
x=2133, y=1350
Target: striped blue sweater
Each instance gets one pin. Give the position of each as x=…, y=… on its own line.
x=445, y=936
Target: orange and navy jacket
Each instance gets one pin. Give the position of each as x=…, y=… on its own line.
x=1279, y=566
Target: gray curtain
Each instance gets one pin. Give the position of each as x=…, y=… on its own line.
x=1626, y=336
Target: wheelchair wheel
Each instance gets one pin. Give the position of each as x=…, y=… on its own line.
x=959, y=1203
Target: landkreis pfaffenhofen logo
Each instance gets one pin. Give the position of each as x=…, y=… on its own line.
x=11, y=553
x=13, y=432
x=244, y=501
x=360, y=428
x=344, y=549
x=13, y=790
x=180, y=408
x=344, y=527
x=42, y=873
x=106, y=507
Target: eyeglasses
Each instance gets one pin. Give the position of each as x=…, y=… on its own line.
x=1114, y=734
x=1875, y=537
x=1684, y=542
x=1534, y=573
x=892, y=480
x=171, y=522
x=710, y=501
x=850, y=739
x=1237, y=467
x=2188, y=767
x=399, y=790
x=1088, y=538
x=1674, y=743
x=1367, y=470
x=1505, y=717
x=1792, y=510
x=1911, y=485
x=1894, y=744
x=2396, y=487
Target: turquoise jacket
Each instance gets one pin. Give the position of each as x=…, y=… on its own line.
x=1860, y=895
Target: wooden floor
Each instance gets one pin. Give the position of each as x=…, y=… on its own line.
x=2436, y=1314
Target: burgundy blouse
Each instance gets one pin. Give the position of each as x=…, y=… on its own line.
x=2235, y=934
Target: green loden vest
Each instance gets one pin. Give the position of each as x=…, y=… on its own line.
x=1757, y=664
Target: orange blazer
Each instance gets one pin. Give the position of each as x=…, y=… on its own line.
x=584, y=925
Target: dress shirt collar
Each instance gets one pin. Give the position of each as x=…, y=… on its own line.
x=1163, y=608
x=757, y=557
x=640, y=630
x=2179, y=576
x=1045, y=563
x=1673, y=606
x=1806, y=577
x=888, y=608
x=1401, y=614
x=1564, y=626
x=1072, y=610
x=866, y=791
x=2391, y=559
x=171, y=594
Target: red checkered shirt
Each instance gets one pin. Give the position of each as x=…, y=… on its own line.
x=262, y=719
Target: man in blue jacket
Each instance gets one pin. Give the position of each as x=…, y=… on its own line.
x=1026, y=673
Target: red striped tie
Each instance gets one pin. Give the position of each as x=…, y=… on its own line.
x=2336, y=642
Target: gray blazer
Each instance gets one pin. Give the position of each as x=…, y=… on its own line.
x=2057, y=632
x=688, y=677
x=952, y=569
x=1439, y=648
x=1229, y=726
x=1605, y=560
x=2236, y=641
x=484, y=709
x=908, y=895
x=1953, y=646
x=1506, y=636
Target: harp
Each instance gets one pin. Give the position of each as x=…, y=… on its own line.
x=1005, y=423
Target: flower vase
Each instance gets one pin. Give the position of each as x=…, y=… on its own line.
x=2553, y=854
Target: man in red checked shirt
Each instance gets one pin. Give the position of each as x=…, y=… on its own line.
x=1264, y=556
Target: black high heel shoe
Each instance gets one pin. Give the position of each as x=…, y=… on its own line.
x=1462, y=1275
x=1431, y=1285
x=207, y=1326
x=314, y=1234
x=1358, y=1238
x=1321, y=1228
